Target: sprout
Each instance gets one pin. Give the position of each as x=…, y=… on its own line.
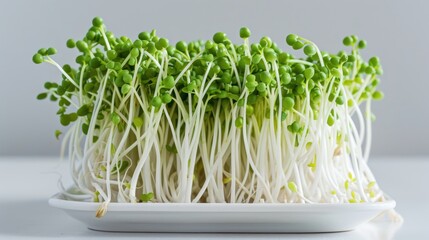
x=214, y=121
x=219, y=37
x=51, y=51
x=244, y=32
x=291, y=39
x=362, y=44
x=348, y=41
x=309, y=50
x=37, y=58
x=97, y=22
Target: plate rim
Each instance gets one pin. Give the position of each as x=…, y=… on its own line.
x=58, y=201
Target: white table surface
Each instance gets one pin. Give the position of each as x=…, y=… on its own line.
x=26, y=183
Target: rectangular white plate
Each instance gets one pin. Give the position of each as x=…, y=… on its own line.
x=223, y=217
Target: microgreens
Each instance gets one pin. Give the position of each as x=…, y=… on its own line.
x=212, y=121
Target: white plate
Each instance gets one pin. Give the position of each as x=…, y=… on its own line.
x=222, y=217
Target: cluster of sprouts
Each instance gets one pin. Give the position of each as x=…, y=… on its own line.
x=215, y=122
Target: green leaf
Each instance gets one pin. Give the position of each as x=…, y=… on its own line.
x=115, y=118
x=292, y=187
x=121, y=166
x=138, y=122
x=83, y=110
x=57, y=134
x=146, y=197
x=42, y=96
x=171, y=149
